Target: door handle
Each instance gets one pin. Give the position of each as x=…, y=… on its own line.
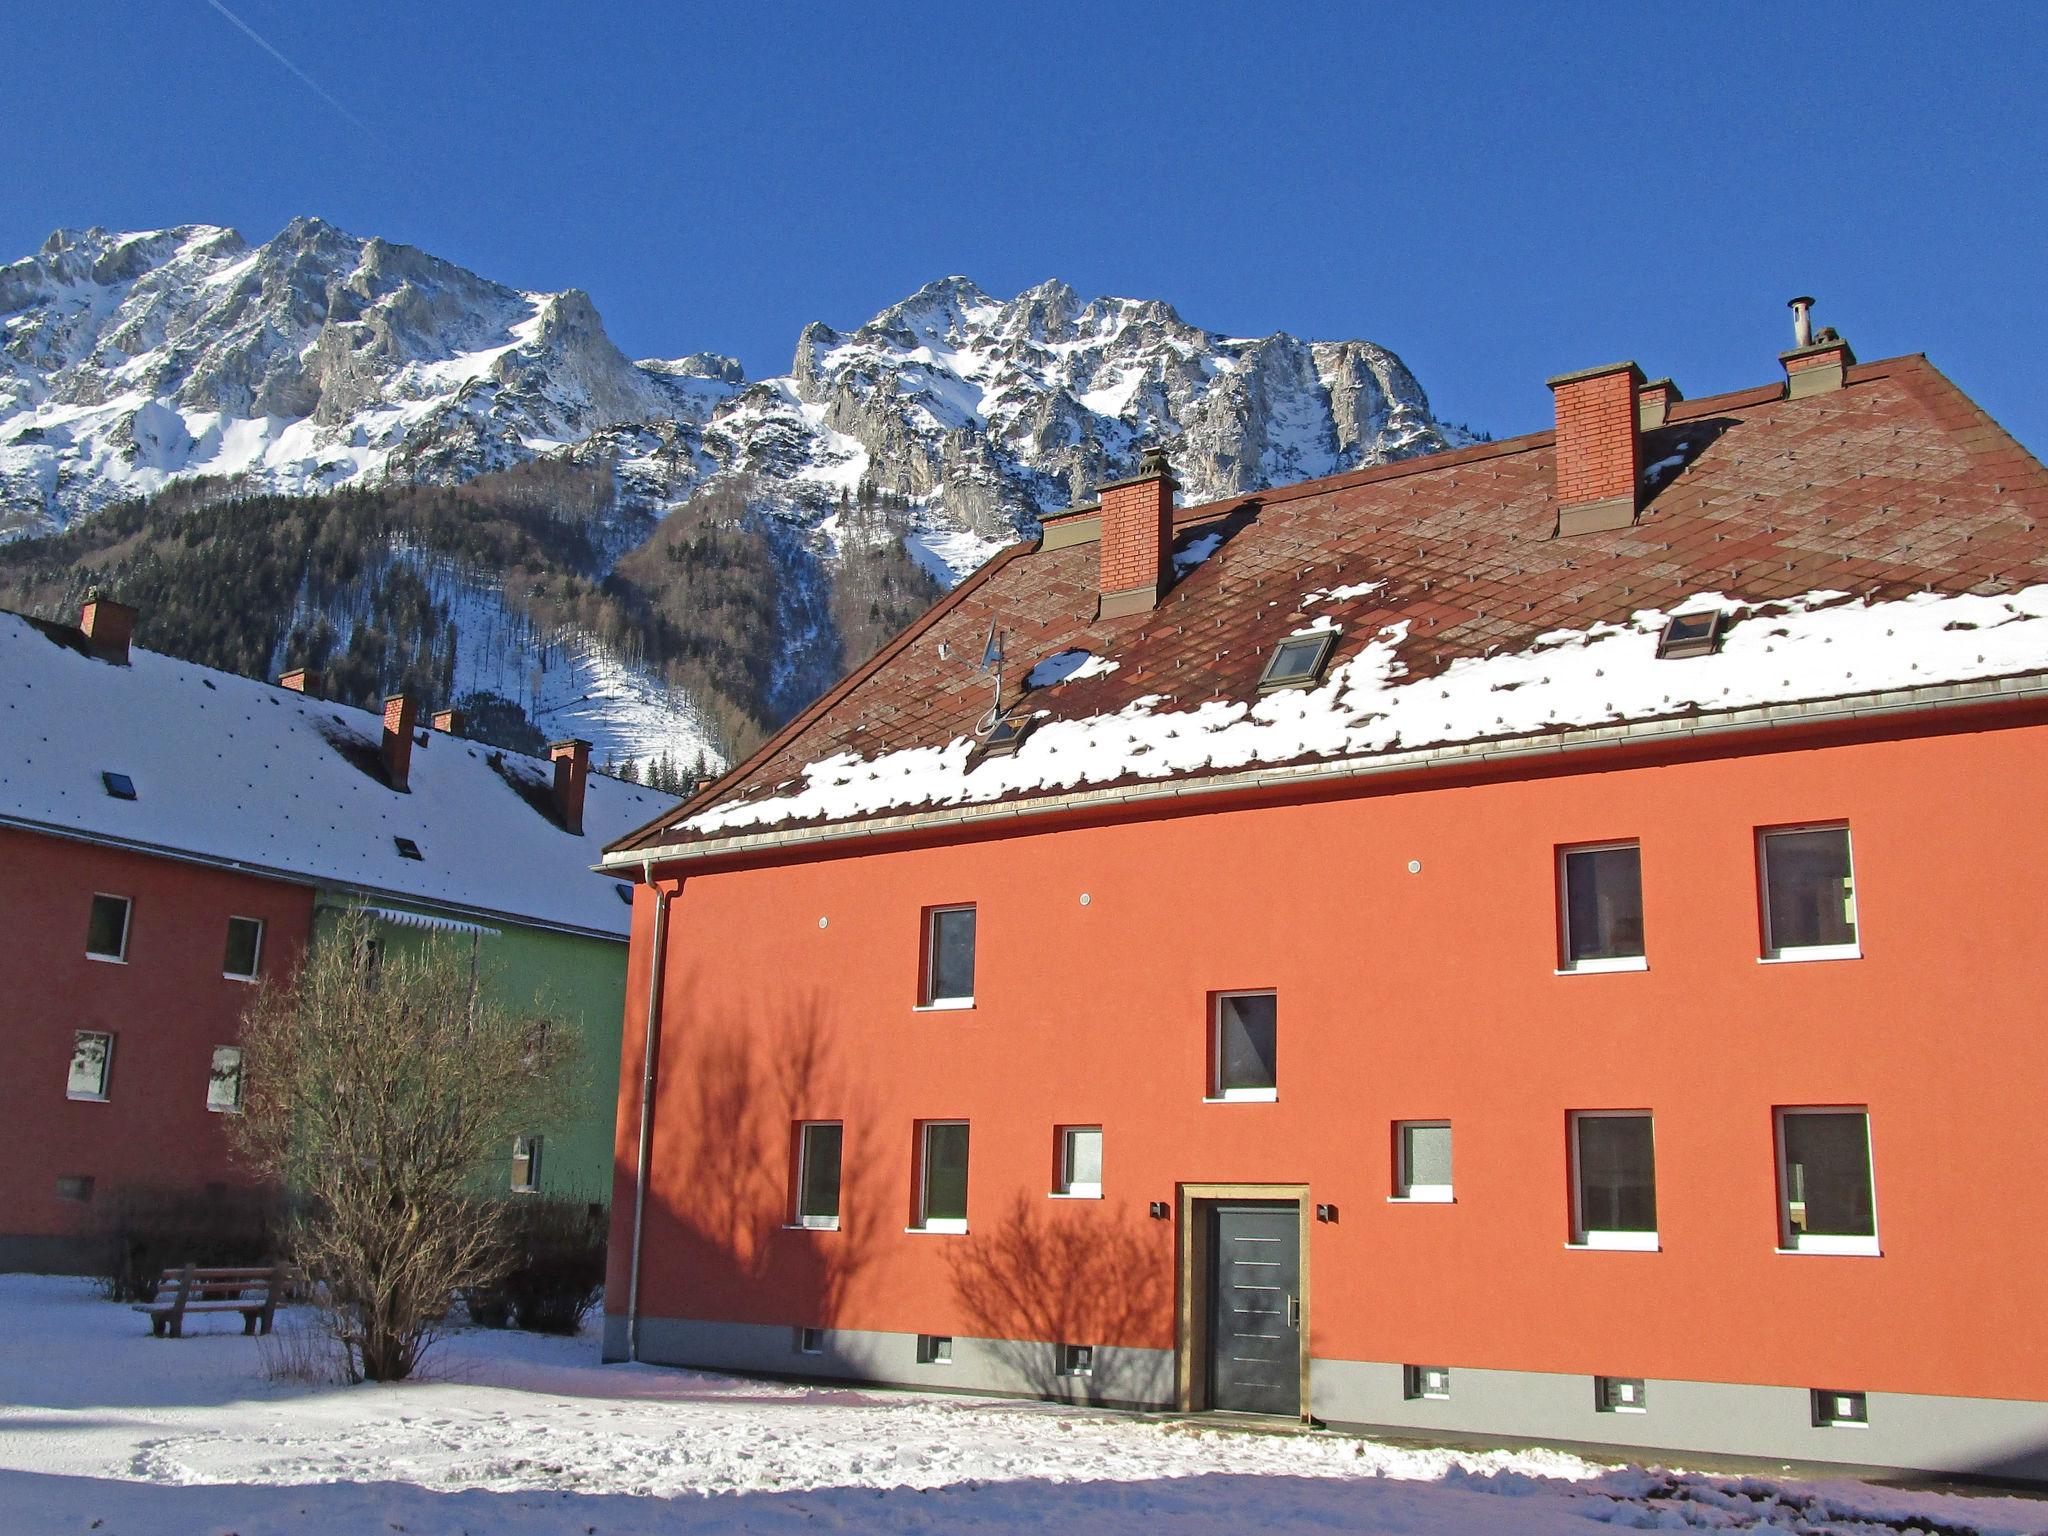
x=1294, y=1312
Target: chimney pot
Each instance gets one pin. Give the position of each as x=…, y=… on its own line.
x=572, y=776
x=400, y=712
x=1137, y=537
x=1802, y=320
x=1599, y=448
x=301, y=680
x=450, y=722
x=1818, y=362
x=109, y=626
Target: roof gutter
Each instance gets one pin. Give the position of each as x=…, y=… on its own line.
x=2025, y=688
x=651, y=1030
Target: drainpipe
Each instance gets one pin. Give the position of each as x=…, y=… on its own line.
x=652, y=1031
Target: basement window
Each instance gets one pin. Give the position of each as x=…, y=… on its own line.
x=1840, y=1410
x=1419, y=1381
x=1077, y=1359
x=119, y=785
x=1689, y=634
x=407, y=848
x=1620, y=1394
x=74, y=1186
x=934, y=1349
x=810, y=1341
x=1298, y=660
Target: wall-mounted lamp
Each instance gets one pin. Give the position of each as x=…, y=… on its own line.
x=1326, y=1213
x=1160, y=1210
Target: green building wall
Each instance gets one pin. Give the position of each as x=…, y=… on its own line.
x=578, y=979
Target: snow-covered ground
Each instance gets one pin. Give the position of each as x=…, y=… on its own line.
x=106, y=1429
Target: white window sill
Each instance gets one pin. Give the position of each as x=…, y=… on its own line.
x=1624, y=1410
x=231, y=976
x=1818, y=952
x=944, y=1005
x=89, y=1098
x=1838, y=1248
x=223, y=1109
x=1423, y=1197
x=1075, y=1194
x=1596, y=967
x=810, y=1226
x=1245, y=1096
x=525, y=1189
x=1616, y=1242
x=107, y=959
x=938, y=1229
x=1841, y=1424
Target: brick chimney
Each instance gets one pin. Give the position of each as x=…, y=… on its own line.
x=1137, y=537
x=1653, y=403
x=1599, y=448
x=301, y=680
x=1817, y=363
x=449, y=722
x=108, y=626
x=572, y=776
x=400, y=711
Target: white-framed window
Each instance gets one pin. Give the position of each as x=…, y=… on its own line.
x=948, y=958
x=1808, y=882
x=1620, y=1394
x=942, y=1176
x=224, y=1080
x=1422, y=1160
x=106, y=929
x=1243, y=1046
x=934, y=1349
x=1419, y=1381
x=1077, y=1359
x=818, y=1147
x=808, y=1341
x=526, y=1150
x=92, y=1065
x=1840, y=1410
x=1080, y=1161
x=245, y=949
x=1827, y=1198
x=1600, y=907
x=1614, y=1179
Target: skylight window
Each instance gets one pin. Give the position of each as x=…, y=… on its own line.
x=119, y=785
x=625, y=891
x=1689, y=634
x=1004, y=736
x=407, y=848
x=1298, y=660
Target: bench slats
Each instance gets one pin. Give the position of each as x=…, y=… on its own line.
x=218, y=1290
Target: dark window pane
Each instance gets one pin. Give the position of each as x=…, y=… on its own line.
x=818, y=1199
x=245, y=936
x=1806, y=881
x=1248, y=1037
x=945, y=1173
x=1827, y=1175
x=1604, y=903
x=1617, y=1174
x=106, y=932
x=952, y=954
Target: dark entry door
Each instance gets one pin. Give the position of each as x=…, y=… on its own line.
x=1255, y=1311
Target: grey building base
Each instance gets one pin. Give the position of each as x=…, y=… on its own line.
x=1908, y=1432
x=22, y=1254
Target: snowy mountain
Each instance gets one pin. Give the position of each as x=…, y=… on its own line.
x=317, y=359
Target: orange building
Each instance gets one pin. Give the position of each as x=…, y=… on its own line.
x=1529, y=942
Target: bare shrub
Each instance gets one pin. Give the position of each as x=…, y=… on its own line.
x=382, y=1093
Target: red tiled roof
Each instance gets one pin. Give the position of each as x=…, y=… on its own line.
x=1895, y=484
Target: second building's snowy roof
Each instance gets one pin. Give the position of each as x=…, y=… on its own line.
x=235, y=772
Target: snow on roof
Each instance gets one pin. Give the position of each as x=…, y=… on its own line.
x=233, y=771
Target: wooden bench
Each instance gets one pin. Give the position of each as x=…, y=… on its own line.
x=252, y=1292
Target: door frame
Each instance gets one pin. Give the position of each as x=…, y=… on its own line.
x=1197, y=1275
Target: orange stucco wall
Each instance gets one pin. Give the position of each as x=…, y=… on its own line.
x=168, y=1006
x=1401, y=996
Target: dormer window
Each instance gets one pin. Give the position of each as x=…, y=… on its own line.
x=1689, y=634
x=1298, y=660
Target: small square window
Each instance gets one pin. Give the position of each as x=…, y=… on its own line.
x=1077, y=1359
x=1243, y=1046
x=1422, y=1160
x=809, y=1341
x=817, y=1181
x=1614, y=1179
x=224, y=1080
x=1689, y=634
x=407, y=848
x=1620, y=1394
x=1080, y=1154
x=245, y=948
x=118, y=785
x=1840, y=1410
x=1419, y=1381
x=1602, y=908
x=75, y=1187
x=1297, y=661
x=526, y=1149
x=949, y=957
x=934, y=1349
x=106, y=928
x=942, y=1176
x=92, y=1065
x=1809, y=892
x=1827, y=1202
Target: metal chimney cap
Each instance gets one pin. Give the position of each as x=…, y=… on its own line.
x=1805, y=298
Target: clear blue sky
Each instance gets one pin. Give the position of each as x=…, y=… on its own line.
x=1498, y=193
